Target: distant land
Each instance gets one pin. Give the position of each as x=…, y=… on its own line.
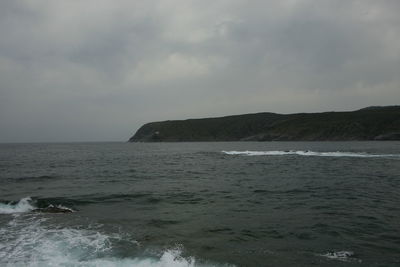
x=371, y=123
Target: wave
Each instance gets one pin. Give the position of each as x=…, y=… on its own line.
x=33, y=178
x=24, y=205
x=311, y=153
x=341, y=256
x=27, y=204
x=33, y=241
x=30, y=179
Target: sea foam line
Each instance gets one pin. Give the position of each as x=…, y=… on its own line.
x=310, y=153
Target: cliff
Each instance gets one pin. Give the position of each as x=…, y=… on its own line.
x=372, y=123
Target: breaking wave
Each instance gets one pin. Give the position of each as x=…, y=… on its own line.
x=24, y=205
x=311, y=153
x=27, y=204
x=31, y=240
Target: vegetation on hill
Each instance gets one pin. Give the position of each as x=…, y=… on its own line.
x=372, y=123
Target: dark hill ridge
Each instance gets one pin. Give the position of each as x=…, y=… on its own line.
x=372, y=123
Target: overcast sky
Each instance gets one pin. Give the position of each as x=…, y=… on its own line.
x=96, y=70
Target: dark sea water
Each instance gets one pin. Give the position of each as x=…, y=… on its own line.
x=201, y=204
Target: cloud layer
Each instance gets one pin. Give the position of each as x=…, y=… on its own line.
x=98, y=69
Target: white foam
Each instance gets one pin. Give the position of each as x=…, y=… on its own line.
x=309, y=153
x=61, y=207
x=29, y=240
x=23, y=205
x=341, y=256
x=169, y=258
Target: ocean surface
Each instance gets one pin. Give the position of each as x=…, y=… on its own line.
x=201, y=204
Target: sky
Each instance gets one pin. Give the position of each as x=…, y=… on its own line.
x=96, y=70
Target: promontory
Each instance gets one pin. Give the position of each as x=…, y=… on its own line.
x=371, y=123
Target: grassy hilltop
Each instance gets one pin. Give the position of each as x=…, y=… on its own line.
x=372, y=123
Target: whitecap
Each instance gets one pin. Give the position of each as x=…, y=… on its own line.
x=169, y=258
x=341, y=256
x=29, y=240
x=24, y=205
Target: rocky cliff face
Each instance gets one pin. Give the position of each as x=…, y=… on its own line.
x=373, y=123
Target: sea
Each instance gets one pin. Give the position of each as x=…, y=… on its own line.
x=200, y=204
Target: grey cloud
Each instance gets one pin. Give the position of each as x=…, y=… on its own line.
x=97, y=70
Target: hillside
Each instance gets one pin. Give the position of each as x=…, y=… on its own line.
x=372, y=123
